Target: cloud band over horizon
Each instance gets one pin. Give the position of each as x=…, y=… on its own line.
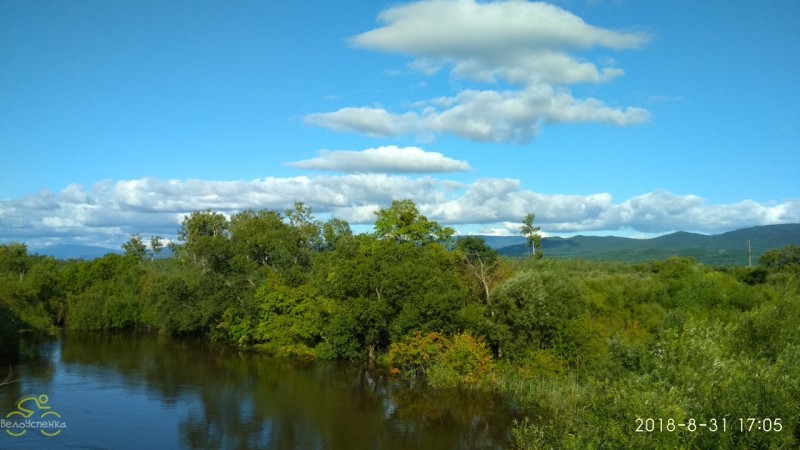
x=108, y=212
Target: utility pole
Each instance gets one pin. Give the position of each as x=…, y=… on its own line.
x=749, y=254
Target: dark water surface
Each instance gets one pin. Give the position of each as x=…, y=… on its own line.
x=151, y=392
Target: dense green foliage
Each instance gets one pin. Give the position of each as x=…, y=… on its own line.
x=669, y=340
x=582, y=349
x=31, y=296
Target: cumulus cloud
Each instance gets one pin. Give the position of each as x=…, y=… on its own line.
x=373, y=122
x=459, y=27
x=388, y=159
x=521, y=43
x=109, y=211
x=649, y=212
x=485, y=116
x=502, y=200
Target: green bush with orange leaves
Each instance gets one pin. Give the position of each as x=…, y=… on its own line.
x=460, y=361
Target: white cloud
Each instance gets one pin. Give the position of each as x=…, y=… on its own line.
x=466, y=28
x=518, y=42
x=502, y=200
x=388, y=159
x=373, y=122
x=485, y=116
x=108, y=212
x=542, y=67
x=650, y=212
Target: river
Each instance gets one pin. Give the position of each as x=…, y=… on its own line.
x=152, y=392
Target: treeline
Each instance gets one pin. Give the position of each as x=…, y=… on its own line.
x=583, y=349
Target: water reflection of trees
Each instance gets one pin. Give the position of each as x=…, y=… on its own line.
x=37, y=354
x=246, y=401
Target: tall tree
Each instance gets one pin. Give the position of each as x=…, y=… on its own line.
x=135, y=247
x=156, y=244
x=481, y=261
x=301, y=217
x=262, y=237
x=14, y=258
x=404, y=223
x=206, y=235
x=333, y=231
x=532, y=234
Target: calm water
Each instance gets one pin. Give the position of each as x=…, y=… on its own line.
x=150, y=392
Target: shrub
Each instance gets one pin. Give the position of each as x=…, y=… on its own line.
x=416, y=354
x=463, y=361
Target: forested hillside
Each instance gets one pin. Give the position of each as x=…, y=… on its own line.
x=727, y=249
x=585, y=351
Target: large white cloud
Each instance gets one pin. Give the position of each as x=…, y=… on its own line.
x=466, y=27
x=388, y=159
x=485, y=116
x=109, y=211
x=518, y=42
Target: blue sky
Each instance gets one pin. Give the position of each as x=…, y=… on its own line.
x=602, y=117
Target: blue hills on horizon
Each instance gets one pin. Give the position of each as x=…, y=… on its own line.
x=726, y=249
x=77, y=251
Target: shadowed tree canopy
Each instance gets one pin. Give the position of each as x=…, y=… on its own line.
x=480, y=260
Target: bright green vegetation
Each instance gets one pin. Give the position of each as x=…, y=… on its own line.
x=581, y=349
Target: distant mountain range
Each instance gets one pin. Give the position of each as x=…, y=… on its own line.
x=726, y=249
x=73, y=251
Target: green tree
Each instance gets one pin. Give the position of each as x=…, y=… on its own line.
x=156, y=244
x=206, y=236
x=334, y=231
x=135, y=247
x=301, y=217
x=289, y=319
x=787, y=258
x=388, y=289
x=402, y=222
x=106, y=297
x=357, y=329
x=14, y=259
x=481, y=262
x=532, y=234
x=534, y=310
x=264, y=239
